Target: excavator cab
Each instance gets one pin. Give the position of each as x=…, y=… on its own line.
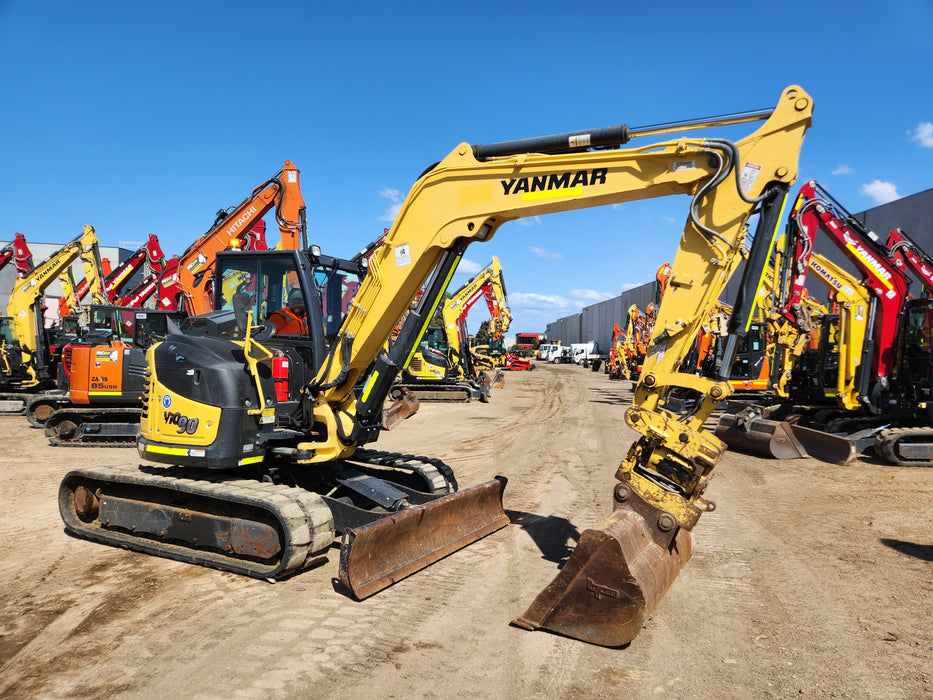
x=915, y=353
x=815, y=375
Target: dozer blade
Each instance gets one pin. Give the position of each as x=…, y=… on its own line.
x=376, y=555
x=826, y=447
x=611, y=584
x=759, y=436
x=404, y=406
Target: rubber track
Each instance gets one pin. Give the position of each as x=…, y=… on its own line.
x=889, y=439
x=15, y=397
x=93, y=415
x=62, y=399
x=307, y=527
x=431, y=469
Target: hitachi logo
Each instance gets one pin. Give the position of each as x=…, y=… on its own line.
x=240, y=220
x=873, y=262
x=554, y=181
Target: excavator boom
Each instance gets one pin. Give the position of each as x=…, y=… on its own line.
x=466, y=198
x=18, y=252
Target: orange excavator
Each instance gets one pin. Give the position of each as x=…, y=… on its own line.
x=281, y=191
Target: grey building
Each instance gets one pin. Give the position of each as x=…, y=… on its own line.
x=596, y=322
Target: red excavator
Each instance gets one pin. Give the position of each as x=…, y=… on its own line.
x=18, y=252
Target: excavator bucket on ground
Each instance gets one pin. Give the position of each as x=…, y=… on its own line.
x=611, y=584
x=497, y=380
x=378, y=554
x=827, y=447
x=750, y=431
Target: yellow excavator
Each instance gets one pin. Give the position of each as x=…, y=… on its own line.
x=493, y=354
x=268, y=435
x=443, y=368
x=28, y=351
x=828, y=370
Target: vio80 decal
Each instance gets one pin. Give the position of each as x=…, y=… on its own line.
x=184, y=423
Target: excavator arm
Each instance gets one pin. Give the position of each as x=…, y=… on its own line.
x=281, y=191
x=29, y=290
x=854, y=348
x=907, y=255
x=624, y=566
x=456, y=308
x=497, y=301
x=19, y=253
x=149, y=255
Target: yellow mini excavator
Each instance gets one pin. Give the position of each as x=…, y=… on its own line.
x=267, y=433
x=444, y=370
x=29, y=353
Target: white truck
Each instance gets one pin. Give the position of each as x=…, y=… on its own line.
x=587, y=353
x=548, y=352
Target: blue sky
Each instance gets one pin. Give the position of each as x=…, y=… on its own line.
x=149, y=117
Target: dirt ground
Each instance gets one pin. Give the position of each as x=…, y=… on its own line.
x=808, y=580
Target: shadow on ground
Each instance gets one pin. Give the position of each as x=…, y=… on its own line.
x=551, y=534
x=911, y=549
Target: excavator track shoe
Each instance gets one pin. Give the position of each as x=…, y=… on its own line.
x=93, y=427
x=211, y=519
x=611, y=584
x=13, y=404
x=751, y=433
x=380, y=553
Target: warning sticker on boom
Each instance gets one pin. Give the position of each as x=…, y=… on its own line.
x=402, y=255
x=748, y=176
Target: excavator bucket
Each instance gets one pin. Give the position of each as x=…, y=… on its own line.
x=611, y=584
x=748, y=431
x=404, y=405
x=380, y=553
x=826, y=447
x=497, y=381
